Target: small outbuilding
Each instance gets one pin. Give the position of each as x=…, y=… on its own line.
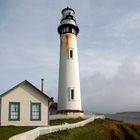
x=24, y=105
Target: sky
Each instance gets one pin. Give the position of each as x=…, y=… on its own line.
x=108, y=49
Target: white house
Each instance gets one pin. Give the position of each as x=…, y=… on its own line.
x=24, y=105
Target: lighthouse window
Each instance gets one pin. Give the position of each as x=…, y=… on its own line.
x=67, y=29
x=70, y=29
x=73, y=31
x=64, y=30
x=70, y=53
x=72, y=93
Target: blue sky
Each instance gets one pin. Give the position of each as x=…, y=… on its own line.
x=108, y=45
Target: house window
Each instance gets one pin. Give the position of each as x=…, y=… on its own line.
x=70, y=53
x=35, y=111
x=14, y=111
x=72, y=93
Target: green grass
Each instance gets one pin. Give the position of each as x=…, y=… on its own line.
x=8, y=131
x=98, y=130
x=62, y=121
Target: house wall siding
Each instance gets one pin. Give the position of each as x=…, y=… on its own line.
x=25, y=95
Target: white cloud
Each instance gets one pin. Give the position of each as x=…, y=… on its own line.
x=93, y=61
x=118, y=93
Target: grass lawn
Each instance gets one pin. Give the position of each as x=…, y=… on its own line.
x=98, y=130
x=62, y=121
x=8, y=131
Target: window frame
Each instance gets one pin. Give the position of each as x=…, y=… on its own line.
x=71, y=94
x=31, y=112
x=68, y=30
x=71, y=54
x=10, y=112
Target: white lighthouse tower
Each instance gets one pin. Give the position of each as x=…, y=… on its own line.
x=69, y=96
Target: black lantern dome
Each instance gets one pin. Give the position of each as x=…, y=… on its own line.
x=68, y=22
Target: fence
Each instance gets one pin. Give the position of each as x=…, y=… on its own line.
x=33, y=134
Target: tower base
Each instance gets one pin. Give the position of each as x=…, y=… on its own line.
x=71, y=112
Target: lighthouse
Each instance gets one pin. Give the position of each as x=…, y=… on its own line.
x=69, y=95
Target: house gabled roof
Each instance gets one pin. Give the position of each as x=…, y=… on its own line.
x=25, y=82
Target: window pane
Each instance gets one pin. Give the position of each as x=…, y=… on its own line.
x=70, y=53
x=14, y=111
x=67, y=29
x=12, y=108
x=72, y=93
x=35, y=112
x=73, y=31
